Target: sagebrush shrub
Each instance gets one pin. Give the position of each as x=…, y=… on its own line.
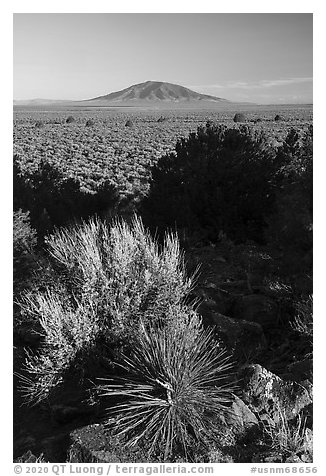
x=104, y=279
x=239, y=117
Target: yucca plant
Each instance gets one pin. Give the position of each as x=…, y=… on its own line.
x=175, y=385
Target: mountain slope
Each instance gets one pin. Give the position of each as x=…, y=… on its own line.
x=156, y=91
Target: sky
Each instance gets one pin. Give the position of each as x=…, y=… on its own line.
x=263, y=57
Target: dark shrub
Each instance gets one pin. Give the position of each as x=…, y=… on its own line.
x=54, y=199
x=24, y=242
x=70, y=119
x=89, y=123
x=278, y=118
x=239, y=117
x=290, y=226
x=162, y=119
x=129, y=123
x=39, y=124
x=218, y=179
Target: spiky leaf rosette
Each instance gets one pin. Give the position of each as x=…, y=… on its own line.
x=176, y=385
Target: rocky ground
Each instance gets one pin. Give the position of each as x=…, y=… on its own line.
x=271, y=419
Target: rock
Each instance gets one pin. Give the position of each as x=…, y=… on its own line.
x=95, y=444
x=241, y=418
x=293, y=459
x=301, y=370
x=257, y=308
x=241, y=337
x=306, y=458
x=267, y=457
x=213, y=299
x=267, y=394
x=65, y=413
x=273, y=458
x=90, y=442
x=24, y=441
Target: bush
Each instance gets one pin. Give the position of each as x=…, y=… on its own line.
x=24, y=242
x=290, y=226
x=55, y=200
x=70, y=119
x=177, y=387
x=278, y=118
x=39, y=124
x=239, y=117
x=129, y=123
x=90, y=123
x=103, y=281
x=217, y=180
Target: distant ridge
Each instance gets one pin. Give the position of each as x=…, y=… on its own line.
x=156, y=91
x=41, y=102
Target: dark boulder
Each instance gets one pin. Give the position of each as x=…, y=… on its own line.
x=257, y=308
x=241, y=337
x=301, y=370
x=213, y=300
x=241, y=418
x=95, y=444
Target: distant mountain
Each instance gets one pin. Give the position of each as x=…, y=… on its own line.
x=156, y=91
x=148, y=95
x=38, y=102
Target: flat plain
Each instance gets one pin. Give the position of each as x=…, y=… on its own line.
x=120, y=145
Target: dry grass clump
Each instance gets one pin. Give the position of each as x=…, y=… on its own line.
x=288, y=437
x=303, y=322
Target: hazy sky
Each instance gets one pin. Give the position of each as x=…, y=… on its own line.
x=264, y=58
